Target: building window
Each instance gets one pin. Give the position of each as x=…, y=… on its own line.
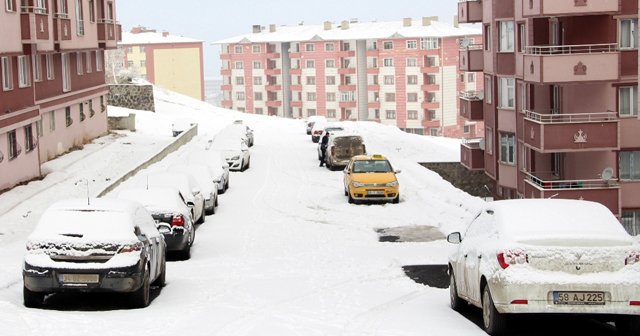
x=431, y=62
x=488, y=139
x=239, y=80
x=388, y=62
x=103, y=106
x=311, y=80
x=14, y=149
x=129, y=50
x=628, y=33
x=628, y=101
x=9, y=5
x=412, y=97
x=330, y=63
x=390, y=97
x=631, y=221
x=67, y=116
x=331, y=80
x=431, y=79
x=29, y=139
x=311, y=112
x=434, y=132
x=7, y=78
x=329, y=47
x=488, y=89
x=487, y=38
x=82, y=115
x=257, y=96
x=390, y=114
x=50, y=70
x=331, y=96
x=311, y=96
x=522, y=40
x=506, y=93
x=257, y=80
x=309, y=47
x=471, y=77
x=238, y=49
x=629, y=165
x=508, y=148
x=257, y=65
x=129, y=64
x=412, y=79
x=431, y=97
x=240, y=95
x=66, y=72
x=259, y=110
x=429, y=43
x=143, y=64
x=331, y=113
x=412, y=62
x=506, y=36
x=99, y=60
x=39, y=128
x=311, y=64
x=52, y=121
x=389, y=80
x=79, y=18
x=256, y=49
x=431, y=114
x=388, y=45
x=37, y=68
x=239, y=65
x=79, y=67
x=412, y=115
x=92, y=112
x=466, y=129
x=92, y=14
x=412, y=44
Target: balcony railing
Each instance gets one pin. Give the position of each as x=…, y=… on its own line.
x=472, y=153
x=472, y=95
x=471, y=105
x=571, y=117
x=546, y=180
x=534, y=8
x=472, y=58
x=572, y=49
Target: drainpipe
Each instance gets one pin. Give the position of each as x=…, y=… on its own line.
x=441, y=86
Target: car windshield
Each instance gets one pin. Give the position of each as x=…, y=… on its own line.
x=332, y=129
x=371, y=166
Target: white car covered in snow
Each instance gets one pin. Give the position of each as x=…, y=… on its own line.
x=206, y=183
x=234, y=150
x=218, y=167
x=187, y=185
x=546, y=256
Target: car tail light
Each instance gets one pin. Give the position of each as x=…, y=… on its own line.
x=632, y=258
x=131, y=247
x=177, y=220
x=634, y=303
x=520, y=302
x=507, y=258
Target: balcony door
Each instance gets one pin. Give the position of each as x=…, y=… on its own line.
x=557, y=165
x=556, y=32
x=556, y=99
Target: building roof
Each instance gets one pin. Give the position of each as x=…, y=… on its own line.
x=356, y=31
x=154, y=38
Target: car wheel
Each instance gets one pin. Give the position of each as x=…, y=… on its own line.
x=32, y=299
x=346, y=192
x=248, y=164
x=161, y=280
x=396, y=200
x=242, y=166
x=186, y=253
x=140, y=298
x=226, y=186
x=351, y=200
x=201, y=219
x=215, y=204
x=455, y=302
x=628, y=325
x=494, y=322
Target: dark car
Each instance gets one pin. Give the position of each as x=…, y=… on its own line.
x=94, y=245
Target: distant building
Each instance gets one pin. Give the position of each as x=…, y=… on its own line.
x=53, y=94
x=172, y=62
x=401, y=73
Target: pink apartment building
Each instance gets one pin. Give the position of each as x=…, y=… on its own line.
x=401, y=73
x=560, y=102
x=53, y=94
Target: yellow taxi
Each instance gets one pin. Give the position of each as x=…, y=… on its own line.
x=371, y=178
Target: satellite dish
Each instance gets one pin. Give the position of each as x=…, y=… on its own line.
x=464, y=43
x=607, y=174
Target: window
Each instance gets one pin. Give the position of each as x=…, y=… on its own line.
x=431, y=114
x=429, y=43
x=257, y=96
x=79, y=67
x=14, y=149
x=331, y=80
x=259, y=110
x=412, y=44
x=129, y=64
x=506, y=36
x=257, y=80
x=37, y=68
x=311, y=96
x=256, y=49
x=466, y=129
x=387, y=45
x=388, y=62
x=412, y=115
x=141, y=48
x=471, y=77
x=389, y=97
x=631, y=221
x=143, y=64
x=330, y=63
x=82, y=115
x=239, y=65
x=311, y=64
x=346, y=46
x=412, y=97
x=92, y=112
x=257, y=65
x=52, y=121
x=310, y=47
x=629, y=165
x=9, y=6
x=431, y=97
x=40, y=7
x=67, y=116
x=508, y=148
x=87, y=59
x=628, y=101
x=523, y=97
x=240, y=95
x=329, y=47
x=488, y=89
x=99, y=60
x=311, y=112
x=23, y=71
x=39, y=128
x=431, y=79
x=311, y=80
x=239, y=80
x=331, y=113
x=506, y=93
x=412, y=62
x=522, y=40
x=434, y=132
x=66, y=73
x=431, y=62
x=238, y=49
x=628, y=33
x=487, y=38
x=79, y=18
x=488, y=140
x=412, y=79
x=331, y=96
x=390, y=114
x=388, y=80
x=49, y=63
x=103, y=106
x=92, y=14
x=7, y=78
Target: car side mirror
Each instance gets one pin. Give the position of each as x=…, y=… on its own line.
x=398, y=171
x=454, y=238
x=195, y=191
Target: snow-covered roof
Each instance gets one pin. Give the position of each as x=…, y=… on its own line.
x=162, y=199
x=154, y=38
x=356, y=31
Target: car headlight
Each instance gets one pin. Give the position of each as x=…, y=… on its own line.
x=392, y=184
x=357, y=184
x=237, y=157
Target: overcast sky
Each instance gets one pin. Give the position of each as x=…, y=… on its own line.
x=211, y=20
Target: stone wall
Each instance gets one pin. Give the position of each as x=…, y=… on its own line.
x=470, y=181
x=137, y=97
x=123, y=123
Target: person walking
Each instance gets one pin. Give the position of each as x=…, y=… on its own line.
x=323, y=147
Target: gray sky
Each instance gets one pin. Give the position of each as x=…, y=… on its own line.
x=214, y=20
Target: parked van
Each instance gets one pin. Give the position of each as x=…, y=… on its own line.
x=342, y=147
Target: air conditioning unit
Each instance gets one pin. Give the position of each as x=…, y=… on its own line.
x=481, y=144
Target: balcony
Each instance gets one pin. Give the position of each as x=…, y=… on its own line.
x=225, y=56
x=226, y=87
x=61, y=28
x=347, y=87
x=273, y=55
x=296, y=103
x=295, y=55
x=108, y=34
x=296, y=71
x=373, y=105
x=429, y=105
x=540, y=8
x=347, y=71
x=430, y=87
x=430, y=69
x=373, y=52
x=272, y=72
x=348, y=104
x=470, y=11
x=373, y=87
x=34, y=25
x=571, y=63
x=472, y=58
x=274, y=87
x=296, y=87
x=471, y=105
x=373, y=71
x=545, y=185
x=225, y=72
x=472, y=153
x=554, y=133
x=227, y=103
x=347, y=53
x=274, y=103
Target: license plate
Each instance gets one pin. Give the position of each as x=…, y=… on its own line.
x=578, y=298
x=81, y=278
x=375, y=192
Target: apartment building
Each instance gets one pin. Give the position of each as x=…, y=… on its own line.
x=560, y=102
x=53, y=87
x=401, y=73
x=172, y=62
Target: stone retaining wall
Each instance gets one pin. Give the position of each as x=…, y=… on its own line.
x=470, y=181
x=136, y=97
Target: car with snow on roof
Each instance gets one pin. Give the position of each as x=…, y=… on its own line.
x=205, y=181
x=371, y=178
x=94, y=245
x=187, y=185
x=547, y=256
x=342, y=146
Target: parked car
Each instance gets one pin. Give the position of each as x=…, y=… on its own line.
x=180, y=126
x=205, y=181
x=548, y=256
x=342, y=147
x=94, y=245
x=327, y=129
x=247, y=130
x=371, y=178
x=218, y=166
x=238, y=131
x=234, y=151
x=316, y=130
x=171, y=214
x=187, y=186
x=312, y=120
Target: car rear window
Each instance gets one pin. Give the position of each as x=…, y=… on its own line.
x=371, y=166
x=348, y=141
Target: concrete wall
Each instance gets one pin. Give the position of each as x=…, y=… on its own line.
x=472, y=182
x=123, y=123
x=137, y=97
